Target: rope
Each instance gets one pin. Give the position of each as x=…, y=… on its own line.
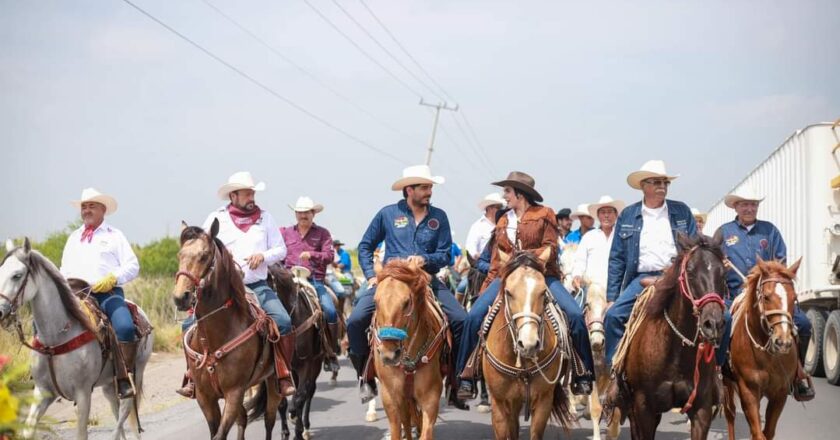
x=637, y=317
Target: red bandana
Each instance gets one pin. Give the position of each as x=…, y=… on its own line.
x=244, y=219
x=87, y=234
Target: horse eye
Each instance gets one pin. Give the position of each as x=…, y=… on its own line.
x=17, y=276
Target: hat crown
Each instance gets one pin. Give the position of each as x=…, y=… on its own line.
x=654, y=166
x=605, y=199
x=89, y=193
x=304, y=202
x=242, y=177
x=519, y=176
x=418, y=171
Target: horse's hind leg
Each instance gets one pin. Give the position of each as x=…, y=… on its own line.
x=41, y=402
x=284, y=420
x=701, y=421
x=595, y=412
x=729, y=407
x=241, y=422
x=775, y=406
x=110, y=394
x=272, y=404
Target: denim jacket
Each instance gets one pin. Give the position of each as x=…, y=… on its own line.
x=624, y=253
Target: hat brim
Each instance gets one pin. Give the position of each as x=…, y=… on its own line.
x=635, y=178
x=617, y=204
x=485, y=203
x=317, y=208
x=408, y=181
x=109, y=202
x=228, y=188
x=732, y=199
x=520, y=186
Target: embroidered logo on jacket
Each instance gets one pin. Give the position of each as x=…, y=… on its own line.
x=401, y=221
x=763, y=243
x=732, y=240
x=434, y=224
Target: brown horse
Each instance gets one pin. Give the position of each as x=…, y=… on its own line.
x=225, y=336
x=523, y=361
x=763, y=348
x=409, y=334
x=670, y=361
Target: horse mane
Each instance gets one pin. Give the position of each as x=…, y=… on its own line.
x=521, y=259
x=417, y=279
x=755, y=275
x=225, y=269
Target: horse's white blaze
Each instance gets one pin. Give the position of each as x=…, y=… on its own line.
x=782, y=294
x=529, y=338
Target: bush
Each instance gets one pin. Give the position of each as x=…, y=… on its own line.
x=158, y=258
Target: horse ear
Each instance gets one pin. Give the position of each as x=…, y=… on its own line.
x=214, y=228
x=795, y=266
x=377, y=266
x=503, y=257
x=717, y=239
x=684, y=241
x=27, y=247
x=184, y=225
x=545, y=255
x=10, y=245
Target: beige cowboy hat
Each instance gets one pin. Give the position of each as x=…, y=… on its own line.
x=582, y=209
x=93, y=195
x=304, y=204
x=651, y=168
x=417, y=175
x=743, y=194
x=490, y=200
x=605, y=201
x=237, y=181
x=696, y=213
x=522, y=182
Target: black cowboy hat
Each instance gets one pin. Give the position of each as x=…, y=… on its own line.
x=337, y=243
x=563, y=213
x=522, y=182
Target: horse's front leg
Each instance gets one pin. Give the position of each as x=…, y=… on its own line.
x=701, y=421
x=272, y=405
x=241, y=422
x=429, y=406
x=643, y=421
x=41, y=402
x=775, y=405
x=595, y=412
x=501, y=417
x=540, y=412
x=210, y=407
x=751, y=404
x=729, y=407
x=392, y=405
x=82, y=413
x=233, y=407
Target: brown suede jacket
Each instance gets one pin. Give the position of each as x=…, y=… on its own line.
x=537, y=230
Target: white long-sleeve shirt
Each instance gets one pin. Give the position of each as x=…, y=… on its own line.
x=262, y=237
x=107, y=252
x=478, y=236
x=592, y=257
x=656, y=241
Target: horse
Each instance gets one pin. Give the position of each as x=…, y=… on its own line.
x=227, y=337
x=665, y=366
x=309, y=355
x=519, y=335
x=763, y=348
x=68, y=357
x=409, y=333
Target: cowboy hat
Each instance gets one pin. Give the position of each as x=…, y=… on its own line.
x=93, y=195
x=522, y=182
x=417, y=175
x=651, y=168
x=490, y=200
x=582, y=209
x=237, y=181
x=696, y=213
x=743, y=194
x=563, y=213
x=338, y=243
x=304, y=204
x=605, y=201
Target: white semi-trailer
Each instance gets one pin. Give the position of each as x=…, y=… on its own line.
x=800, y=181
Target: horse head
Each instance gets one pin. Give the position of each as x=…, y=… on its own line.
x=701, y=278
x=771, y=285
x=594, y=311
x=400, y=296
x=525, y=297
x=14, y=273
x=196, y=260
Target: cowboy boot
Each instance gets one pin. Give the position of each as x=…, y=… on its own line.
x=331, y=359
x=124, y=366
x=367, y=388
x=284, y=376
x=803, y=387
x=187, y=384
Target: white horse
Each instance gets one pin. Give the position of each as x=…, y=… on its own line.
x=26, y=276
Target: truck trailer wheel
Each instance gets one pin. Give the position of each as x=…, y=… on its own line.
x=831, y=348
x=814, y=355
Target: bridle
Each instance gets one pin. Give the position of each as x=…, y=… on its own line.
x=697, y=304
x=200, y=282
x=523, y=318
x=766, y=325
x=17, y=300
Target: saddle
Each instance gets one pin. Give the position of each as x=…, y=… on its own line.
x=99, y=320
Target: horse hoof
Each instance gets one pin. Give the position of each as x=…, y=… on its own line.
x=483, y=408
x=307, y=435
x=333, y=382
x=370, y=417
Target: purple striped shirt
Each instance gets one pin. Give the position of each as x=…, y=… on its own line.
x=318, y=242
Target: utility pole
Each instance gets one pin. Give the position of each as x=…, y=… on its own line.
x=438, y=106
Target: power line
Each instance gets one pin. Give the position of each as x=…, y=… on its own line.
x=265, y=87
x=472, y=145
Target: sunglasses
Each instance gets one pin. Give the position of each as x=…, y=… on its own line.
x=657, y=182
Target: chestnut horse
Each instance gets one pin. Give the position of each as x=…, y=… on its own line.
x=670, y=361
x=523, y=361
x=763, y=349
x=225, y=337
x=408, y=334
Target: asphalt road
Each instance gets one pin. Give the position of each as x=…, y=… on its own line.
x=337, y=414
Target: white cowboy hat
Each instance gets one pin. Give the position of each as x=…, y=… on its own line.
x=696, y=213
x=582, y=209
x=417, y=175
x=237, y=181
x=651, y=168
x=743, y=194
x=304, y=204
x=605, y=201
x=490, y=200
x=93, y=195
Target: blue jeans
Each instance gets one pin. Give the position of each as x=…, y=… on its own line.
x=269, y=302
x=336, y=286
x=800, y=320
x=462, y=285
x=574, y=315
x=359, y=320
x=615, y=320
x=113, y=304
x=326, y=302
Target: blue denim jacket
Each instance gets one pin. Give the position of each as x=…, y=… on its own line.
x=741, y=247
x=394, y=224
x=483, y=263
x=624, y=253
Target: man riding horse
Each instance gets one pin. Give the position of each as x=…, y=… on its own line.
x=412, y=229
x=745, y=238
x=252, y=236
x=100, y=255
x=593, y=253
x=311, y=246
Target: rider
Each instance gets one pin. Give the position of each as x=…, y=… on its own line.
x=745, y=238
x=587, y=223
x=252, y=237
x=700, y=218
x=100, y=254
x=532, y=227
x=644, y=246
x=342, y=262
x=593, y=254
x=415, y=230
x=482, y=229
x=311, y=246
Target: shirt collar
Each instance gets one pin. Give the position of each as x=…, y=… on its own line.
x=655, y=212
x=743, y=226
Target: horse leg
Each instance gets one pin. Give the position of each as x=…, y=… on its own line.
x=775, y=405
x=233, y=403
x=271, y=406
x=307, y=406
x=41, y=402
x=729, y=408
x=484, y=405
x=595, y=412
x=642, y=422
x=701, y=421
x=614, y=426
x=392, y=410
x=541, y=411
x=284, y=420
x=370, y=416
x=241, y=423
x=429, y=407
x=751, y=404
x=210, y=407
x=110, y=393
x=500, y=417
x=82, y=413
x=299, y=401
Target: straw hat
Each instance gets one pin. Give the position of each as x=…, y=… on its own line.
x=605, y=201
x=237, y=181
x=743, y=194
x=696, y=213
x=490, y=200
x=522, y=182
x=417, y=175
x=581, y=210
x=304, y=204
x=93, y=195
x=651, y=168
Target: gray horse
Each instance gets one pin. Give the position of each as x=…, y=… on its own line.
x=26, y=276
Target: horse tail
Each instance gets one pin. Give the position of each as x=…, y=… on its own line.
x=257, y=405
x=560, y=410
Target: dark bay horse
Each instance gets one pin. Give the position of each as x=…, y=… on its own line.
x=226, y=337
x=670, y=362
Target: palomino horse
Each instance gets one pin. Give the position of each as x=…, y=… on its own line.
x=670, y=360
x=68, y=359
x=409, y=334
x=763, y=348
x=519, y=335
x=225, y=337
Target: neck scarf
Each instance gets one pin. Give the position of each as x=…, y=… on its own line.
x=244, y=219
x=87, y=234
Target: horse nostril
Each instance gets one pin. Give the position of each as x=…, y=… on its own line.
x=397, y=353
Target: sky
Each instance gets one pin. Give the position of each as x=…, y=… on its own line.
x=577, y=94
